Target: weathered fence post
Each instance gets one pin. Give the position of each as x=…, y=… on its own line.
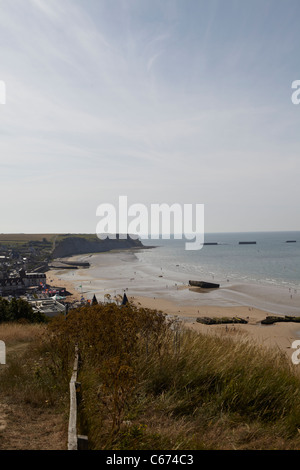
x=75, y=442
x=2, y=352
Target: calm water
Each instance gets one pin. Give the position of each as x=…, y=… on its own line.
x=270, y=261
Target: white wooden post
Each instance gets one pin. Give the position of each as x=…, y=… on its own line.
x=2, y=353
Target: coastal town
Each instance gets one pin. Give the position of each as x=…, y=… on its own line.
x=23, y=275
x=26, y=262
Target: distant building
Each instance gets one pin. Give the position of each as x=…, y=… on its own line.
x=32, y=279
x=49, y=307
x=18, y=285
x=12, y=286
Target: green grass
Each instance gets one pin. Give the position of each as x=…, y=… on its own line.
x=25, y=238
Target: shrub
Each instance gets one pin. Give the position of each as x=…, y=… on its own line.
x=19, y=309
x=149, y=383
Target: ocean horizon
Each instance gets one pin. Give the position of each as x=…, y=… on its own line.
x=264, y=274
x=271, y=258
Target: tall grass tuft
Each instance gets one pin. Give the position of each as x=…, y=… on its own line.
x=227, y=377
x=137, y=365
x=149, y=383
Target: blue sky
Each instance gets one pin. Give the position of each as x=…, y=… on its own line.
x=170, y=101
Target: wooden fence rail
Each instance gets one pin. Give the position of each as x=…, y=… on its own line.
x=75, y=441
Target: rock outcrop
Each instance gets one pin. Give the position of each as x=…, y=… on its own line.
x=77, y=245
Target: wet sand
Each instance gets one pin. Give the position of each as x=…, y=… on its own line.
x=117, y=272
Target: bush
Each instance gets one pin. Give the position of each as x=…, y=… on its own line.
x=19, y=309
x=149, y=384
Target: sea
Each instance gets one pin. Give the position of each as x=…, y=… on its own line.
x=266, y=258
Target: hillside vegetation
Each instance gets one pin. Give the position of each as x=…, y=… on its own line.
x=147, y=383
x=50, y=246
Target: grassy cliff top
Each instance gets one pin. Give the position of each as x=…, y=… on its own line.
x=12, y=238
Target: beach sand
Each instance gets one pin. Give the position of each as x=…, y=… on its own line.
x=53, y=279
x=119, y=272
x=280, y=335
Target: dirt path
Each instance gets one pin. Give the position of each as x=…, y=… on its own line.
x=24, y=427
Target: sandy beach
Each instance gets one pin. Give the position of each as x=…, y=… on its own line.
x=114, y=273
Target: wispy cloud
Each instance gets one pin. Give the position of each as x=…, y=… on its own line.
x=153, y=98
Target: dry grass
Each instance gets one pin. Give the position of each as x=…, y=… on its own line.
x=149, y=386
x=144, y=387
x=12, y=333
x=31, y=408
x=23, y=427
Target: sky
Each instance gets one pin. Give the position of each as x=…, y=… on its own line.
x=162, y=101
